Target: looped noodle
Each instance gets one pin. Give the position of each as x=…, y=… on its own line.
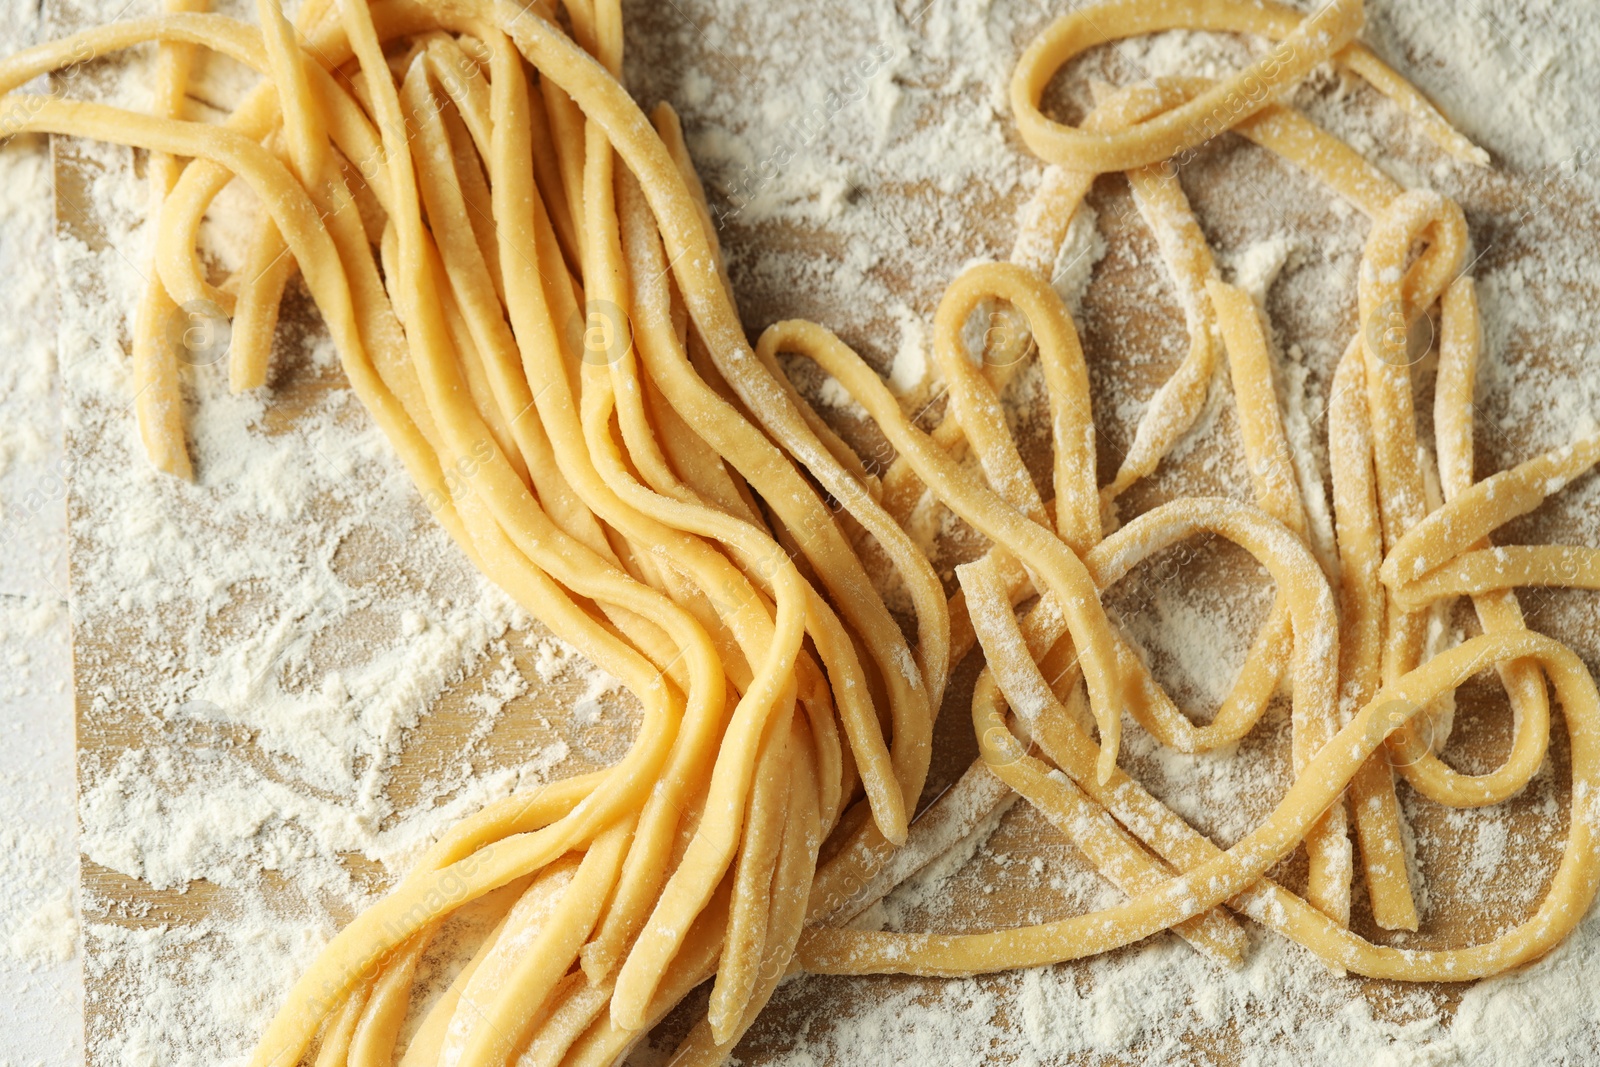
x=520, y=272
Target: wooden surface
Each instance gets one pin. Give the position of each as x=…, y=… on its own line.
x=1133, y=335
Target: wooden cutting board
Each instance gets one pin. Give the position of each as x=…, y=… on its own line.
x=1133, y=336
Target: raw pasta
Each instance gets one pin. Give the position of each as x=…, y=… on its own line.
x=541, y=324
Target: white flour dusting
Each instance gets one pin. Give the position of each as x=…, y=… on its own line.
x=40, y=979
x=285, y=628
x=270, y=662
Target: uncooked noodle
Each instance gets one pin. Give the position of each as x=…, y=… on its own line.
x=520, y=271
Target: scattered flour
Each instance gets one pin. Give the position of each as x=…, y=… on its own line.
x=40, y=980
x=269, y=661
x=295, y=616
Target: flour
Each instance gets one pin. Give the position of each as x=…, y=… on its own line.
x=42, y=924
x=269, y=659
x=1516, y=78
x=286, y=629
x=1083, y=247
x=931, y=885
x=39, y=968
x=1257, y=266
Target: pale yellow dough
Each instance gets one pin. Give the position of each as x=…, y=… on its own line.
x=521, y=274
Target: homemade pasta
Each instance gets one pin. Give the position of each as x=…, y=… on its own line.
x=520, y=271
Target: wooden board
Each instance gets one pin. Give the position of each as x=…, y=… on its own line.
x=1133, y=335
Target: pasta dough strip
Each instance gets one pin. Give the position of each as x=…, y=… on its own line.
x=1361, y=606
x=1112, y=851
x=1304, y=41
x=1571, y=891
x=590, y=484
x=158, y=397
x=1497, y=610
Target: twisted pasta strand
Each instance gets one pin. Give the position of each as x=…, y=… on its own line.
x=541, y=323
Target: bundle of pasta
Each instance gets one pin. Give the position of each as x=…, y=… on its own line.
x=551, y=347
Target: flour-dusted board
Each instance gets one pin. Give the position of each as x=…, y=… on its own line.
x=288, y=679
